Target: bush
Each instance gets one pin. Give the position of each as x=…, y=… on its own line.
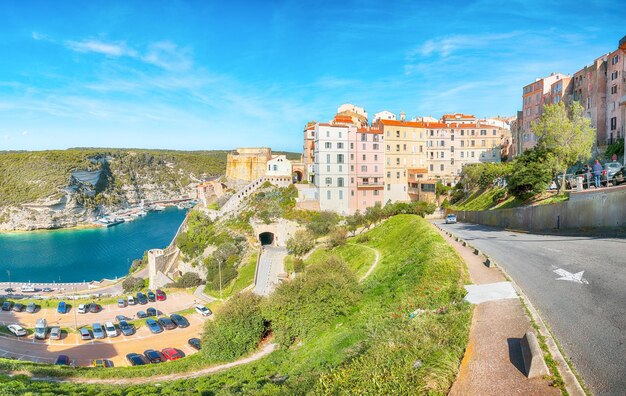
x=132, y=284
x=228, y=273
x=189, y=279
x=298, y=265
x=236, y=330
x=337, y=237
x=328, y=290
x=321, y=223
x=301, y=243
x=498, y=195
x=532, y=173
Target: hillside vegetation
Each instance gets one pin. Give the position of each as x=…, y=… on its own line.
x=402, y=331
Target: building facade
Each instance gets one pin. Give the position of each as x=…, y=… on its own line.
x=615, y=94
x=366, y=168
x=331, y=170
x=590, y=92
x=279, y=165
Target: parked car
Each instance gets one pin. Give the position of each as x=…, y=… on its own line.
x=55, y=333
x=172, y=354
x=31, y=307
x=195, y=343
x=7, y=305
x=151, y=296
x=160, y=295
x=120, y=318
x=142, y=314
x=85, y=334
x=98, y=331
x=202, y=310
x=167, y=323
x=136, y=359
x=82, y=308
x=18, y=307
x=94, y=308
x=110, y=329
x=141, y=298
x=610, y=168
x=154, y=356
x=126, y=328
x=131, y=300
x=101, y=363
x=17, y=330
x=121, y=303
x=62, y=360
x=451, y=219
x=619, y=176
x=154, y=326
x=179, y=320
x=47, y=290
x=151, y=311
x=62, y=307
x=41, y=329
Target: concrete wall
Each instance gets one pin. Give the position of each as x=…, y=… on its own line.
x=595, y=209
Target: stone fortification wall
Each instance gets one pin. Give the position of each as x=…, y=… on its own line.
x=593, y=209
x=247, y=164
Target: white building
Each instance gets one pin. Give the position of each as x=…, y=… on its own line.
x=384, y=115
x=279, y=165
x=331, y=169
x=352, y=108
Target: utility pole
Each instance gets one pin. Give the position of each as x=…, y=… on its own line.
x=219, y=266
x=75, y=309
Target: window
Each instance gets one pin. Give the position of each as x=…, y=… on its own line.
x=462, y=156
x=452, y=137
x=375, y=157
x=441, y=167
x=613, y=91
x=327, y=133
x=397, y=134
x=614, y=75
x=472, y=154
x=351, y=157
x=432, y=133
x=351, y=168
x=388, y=133
x=328, y=195
x=327, y=168
x=329, y=181
x=339, y=145
x=363, y=137
x=389, y=175
x=340, y=182
x=340, y=158
x=397, y=147
x=328, y=145
x=364, y=157
x=473, y=143
x=613, y=123
x=615, y=60
x=462, y=143
x=398, y=161
x=339, y=134
x=388, y=148
x=375, y=168
x=432, y=167
x=363, y=146
x=375, y=146
x=340, y=168
x=483, y=132
x=363, y=168
x=275, y=167
x=442, y=154
x=351, y=146
x=421, y=148
x=483, y=143
x=452, y=149
x=352, y=193
x=328, y=158
x=376, y=192
x=397, y=175
x=388, y=161
x=364, y=193
x=269, y=167
x=443, y=143
x=462, y=132
x=352, y=180
x=388, y=187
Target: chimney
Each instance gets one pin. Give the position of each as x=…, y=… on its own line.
x=402, y=116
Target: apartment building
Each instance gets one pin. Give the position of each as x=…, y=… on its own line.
x=616, y=94
x=308, y=151
x=367, y=167
x=534, y=97
x=331, y=170
x=405, y=148
x=590, y=91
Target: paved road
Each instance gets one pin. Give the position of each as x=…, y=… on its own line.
x=588, y=317
x=270, y=266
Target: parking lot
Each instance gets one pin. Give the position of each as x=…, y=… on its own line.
x=114, y=349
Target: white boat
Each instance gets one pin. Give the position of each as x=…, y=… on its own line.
x=158, y=208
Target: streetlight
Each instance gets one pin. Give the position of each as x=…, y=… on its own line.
x=75, y=309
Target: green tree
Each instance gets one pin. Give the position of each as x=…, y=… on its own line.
x=569, y=135
x=321, y=223
x=354, y=221
x=236, y=330
x=532, y=172
x=338, y=236
x=301, y=243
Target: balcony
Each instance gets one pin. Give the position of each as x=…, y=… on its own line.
x=377, y=185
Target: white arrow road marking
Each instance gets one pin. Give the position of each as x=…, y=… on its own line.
x=568, y=276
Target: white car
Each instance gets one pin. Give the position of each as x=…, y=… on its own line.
x=202, y=310
x=82, y=308
x=17, y=330
x=451, y=219
x=110, y=329
x=41, y=329
x=131, y=300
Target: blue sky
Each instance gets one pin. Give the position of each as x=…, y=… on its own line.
x=224, y=74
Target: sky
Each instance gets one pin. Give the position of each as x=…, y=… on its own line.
x=201, y=75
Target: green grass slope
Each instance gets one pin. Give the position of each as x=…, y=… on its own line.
x=376, y=349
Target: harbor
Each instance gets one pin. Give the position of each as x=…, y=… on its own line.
x=131, y=214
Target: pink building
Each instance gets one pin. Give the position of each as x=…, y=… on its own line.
x=366, y=159
x=616, y=94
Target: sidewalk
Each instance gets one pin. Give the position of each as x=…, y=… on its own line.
x=493, y=363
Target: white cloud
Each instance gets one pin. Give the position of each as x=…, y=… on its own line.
x=167, y=55
x=100, y=47
x=445, y=46
x=24, y=133
x=38, y=36
x=6, y=137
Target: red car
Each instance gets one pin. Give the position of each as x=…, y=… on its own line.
x=172, y=354
x=160, y=296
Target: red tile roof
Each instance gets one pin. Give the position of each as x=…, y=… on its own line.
x=413, y=124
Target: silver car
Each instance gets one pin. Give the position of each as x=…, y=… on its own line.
x=98, y=331
x=55, y=333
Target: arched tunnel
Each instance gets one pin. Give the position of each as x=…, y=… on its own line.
x=266, y=238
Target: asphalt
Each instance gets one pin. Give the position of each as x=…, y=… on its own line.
x=585, y=312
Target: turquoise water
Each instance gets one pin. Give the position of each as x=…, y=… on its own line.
x=85, y=254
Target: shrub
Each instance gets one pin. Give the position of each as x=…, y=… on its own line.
x=301, y=243
x=337, y=237
x=321, y=223
x=214, y=267
x=236, y=330
x=298, y=265
x=189, y=279
x=132, y=284
x=498, y=195
x=532, y=173
x=327, y=291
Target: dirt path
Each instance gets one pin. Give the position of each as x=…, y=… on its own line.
x=266, y=350
x=374, y=264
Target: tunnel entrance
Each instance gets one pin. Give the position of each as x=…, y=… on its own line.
x=266, y=238
x=297, y=177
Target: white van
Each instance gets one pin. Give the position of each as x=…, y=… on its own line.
x=41, y=328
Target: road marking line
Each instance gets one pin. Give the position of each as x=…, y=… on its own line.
x=568, y=276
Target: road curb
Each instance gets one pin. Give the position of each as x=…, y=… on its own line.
x=572, y=385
